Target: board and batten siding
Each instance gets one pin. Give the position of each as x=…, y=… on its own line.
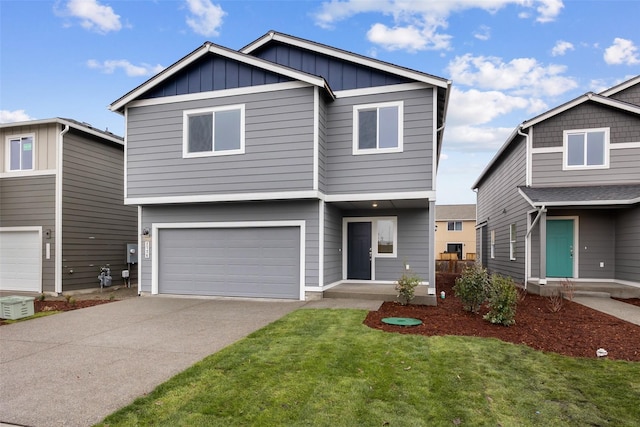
x=30, y=202
x=628, y=244
x=409, y=170
x=96, y=224
x=307, y=211
x=278, y=148
x=623, y=168
x=500, y=205
x=45, y=137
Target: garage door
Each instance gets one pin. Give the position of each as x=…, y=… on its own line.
x=20, y=261
x=243, y=262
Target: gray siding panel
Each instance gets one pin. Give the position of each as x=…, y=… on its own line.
x=627, y=246
x=30, y=202
x=278, y=148
x=95, y=222
x=240, y=212
x=630, y=95
x=388, y=172
x=322, y=146
x=623, y=168
x=500, y=204
x=332, y=244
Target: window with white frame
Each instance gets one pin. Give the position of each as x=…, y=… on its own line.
x=512, y=242
x=454, y=225
x=378, y=128
x=386, y=230
x=19, y=153
x=213, y=131
x=493, y=244
x=586, y=149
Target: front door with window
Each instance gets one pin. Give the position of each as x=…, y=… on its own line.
x=560, y=248
x=359, y=250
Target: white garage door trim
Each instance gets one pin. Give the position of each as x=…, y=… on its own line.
x=245, y=224
x=37, y=229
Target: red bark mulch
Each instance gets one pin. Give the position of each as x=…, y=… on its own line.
x=575, y=330
x=62, y=305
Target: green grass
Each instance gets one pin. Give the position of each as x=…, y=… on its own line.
x=325, y=368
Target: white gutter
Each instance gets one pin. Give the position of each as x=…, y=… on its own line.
x=58, y=214
x=528, y=173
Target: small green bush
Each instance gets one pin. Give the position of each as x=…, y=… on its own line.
x=503, y=299
x=471, y=287
x=406, y=286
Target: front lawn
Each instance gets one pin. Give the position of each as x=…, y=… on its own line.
x=325, y=368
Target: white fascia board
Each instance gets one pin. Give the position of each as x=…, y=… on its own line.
x=622, y=86
x=496, y=157
x=591, y=203
x=213, y=94
x=210, y=198
x=209, y=47
x=524, y=196
x=359, y=197
x=346, y=56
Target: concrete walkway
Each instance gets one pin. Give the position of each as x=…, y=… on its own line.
x=77, y=367
x=621, y=310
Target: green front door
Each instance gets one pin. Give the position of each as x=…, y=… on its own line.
x=560, y=248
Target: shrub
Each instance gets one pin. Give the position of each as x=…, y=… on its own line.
x=406, y=286
x=503, y=299
x=555, y=301
x=471, y=287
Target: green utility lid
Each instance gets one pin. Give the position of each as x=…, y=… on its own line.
x=402, y=321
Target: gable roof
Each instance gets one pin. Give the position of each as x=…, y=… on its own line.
x=207, y=48
x=81, y=126
x=587, y=97
x=346, y=56
x=582, y=195
x=455, y=212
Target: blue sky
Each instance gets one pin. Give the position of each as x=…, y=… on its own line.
x=509, y=60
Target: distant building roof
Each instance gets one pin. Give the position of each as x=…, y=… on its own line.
x=455, y=212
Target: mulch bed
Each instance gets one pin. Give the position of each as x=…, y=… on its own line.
x=45, y=305
x=575, y=330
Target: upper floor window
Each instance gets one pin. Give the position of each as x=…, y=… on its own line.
x=454, y=225
x=378, y=128
x=213, y=131
x=586, y=149
x=20, y=153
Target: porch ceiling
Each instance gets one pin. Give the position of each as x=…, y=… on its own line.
x=597, y=195
x=382, y=204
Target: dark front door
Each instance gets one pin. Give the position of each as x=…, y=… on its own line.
x=359, y=250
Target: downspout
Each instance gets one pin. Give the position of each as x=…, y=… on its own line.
x=58, y=215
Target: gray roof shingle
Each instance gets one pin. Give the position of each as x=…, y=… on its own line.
x=583, y=195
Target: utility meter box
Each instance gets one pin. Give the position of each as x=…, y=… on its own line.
x=132, y=253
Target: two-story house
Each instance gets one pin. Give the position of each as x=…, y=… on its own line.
x=561, y=198
x=62, y=212
x=456, y=231
x=282, y=169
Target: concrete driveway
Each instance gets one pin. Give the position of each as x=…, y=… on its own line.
x=75, y=368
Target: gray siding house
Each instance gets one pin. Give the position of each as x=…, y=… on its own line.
x=561, y=199
x=282, y=169
x=62, y=212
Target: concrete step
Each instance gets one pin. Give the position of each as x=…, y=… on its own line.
x=377, y=292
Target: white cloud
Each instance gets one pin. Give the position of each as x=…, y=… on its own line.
x=474, y=107
x=419, y=24
x=93, y=15
x=561, y=48
x=522, y=76
x=111, y=65
x=475, y=138
x=622, y=51
x=205, y=18
x=7, y=116
x=483, y=33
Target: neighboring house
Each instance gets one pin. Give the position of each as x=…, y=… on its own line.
x=282, y=169
x=456, y=230
x=62, y=212
x=561, y=199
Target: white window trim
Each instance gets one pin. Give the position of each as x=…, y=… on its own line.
x=212, y=110
x=374, y=236
x=454, y=226
x=356, y=110
x=565, y=149
x=513, y=238
x=7, y=153
x=374, y=241
x=492, y=244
